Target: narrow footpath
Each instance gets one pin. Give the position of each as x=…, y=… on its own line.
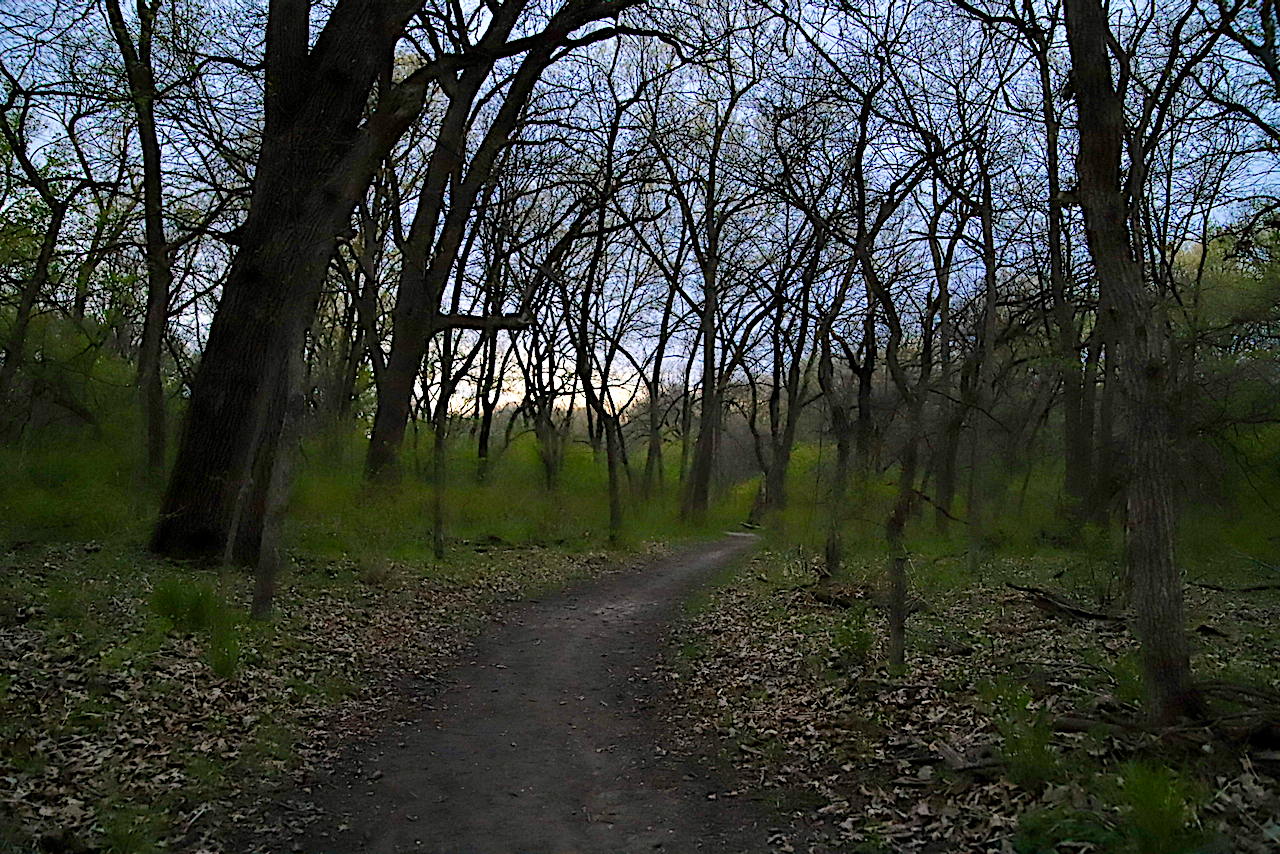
x=546, y=740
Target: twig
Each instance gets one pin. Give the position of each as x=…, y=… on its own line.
x=1056, y=604
x=1251, y=588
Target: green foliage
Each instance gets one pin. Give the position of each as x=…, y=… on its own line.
x=196, y=608
x=1158, y=811
x=127, y=829
x=1026, y=732
x=63, y=602
x=71, y=482
x=1062, y=829
x=1144, y=809
x=334, y=512
x=190, y=607
x=1129, y=684
x=852, y=639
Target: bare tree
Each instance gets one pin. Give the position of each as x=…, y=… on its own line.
x=321, y=144
x=1140, y=332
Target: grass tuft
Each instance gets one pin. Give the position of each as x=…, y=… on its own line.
x=197, y=608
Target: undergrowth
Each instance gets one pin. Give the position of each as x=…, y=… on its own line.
x=792, y=670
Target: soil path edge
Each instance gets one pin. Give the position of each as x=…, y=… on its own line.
x=546, y=739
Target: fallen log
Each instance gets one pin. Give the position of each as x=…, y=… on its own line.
x=1060, y=606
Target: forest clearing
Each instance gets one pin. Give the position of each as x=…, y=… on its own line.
x=899, y=382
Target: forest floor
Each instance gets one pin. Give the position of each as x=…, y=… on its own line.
x=392, y=707
x=141, y=712
x=1016, y=727
x=542, y=739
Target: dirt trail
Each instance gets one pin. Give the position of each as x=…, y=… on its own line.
x=544, y=741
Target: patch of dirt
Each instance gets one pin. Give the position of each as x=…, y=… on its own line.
x=116, y=732
x=544, y=739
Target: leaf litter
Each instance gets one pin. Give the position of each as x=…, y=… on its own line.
x=117, y=732
x=1005, y=714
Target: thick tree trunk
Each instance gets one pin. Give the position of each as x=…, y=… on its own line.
x=775, y=479
x=1136, y=324
x=237, y=407
x=315, y=162
x=390, y=420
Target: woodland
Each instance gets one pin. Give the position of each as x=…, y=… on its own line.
x=331, y=329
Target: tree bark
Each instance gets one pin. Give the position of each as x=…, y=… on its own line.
x=315, y=162
x=698, y=489
x=1137, y=325
x=271, y=557
x=653, y=468
x=842, y=428
x=142, y=91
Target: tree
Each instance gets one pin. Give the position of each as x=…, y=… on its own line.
x=709, y=193
x=56, y=189
x=1140, y=333
x=321, y=143
x=449, y=194
x=143, y=92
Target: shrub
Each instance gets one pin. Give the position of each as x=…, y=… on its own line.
x=852, y=639
x=1158, y=810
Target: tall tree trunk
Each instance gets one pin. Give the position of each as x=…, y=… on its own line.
x=982, y=395
x=315, y=162
x=947, y=469
x=686, y=420
x=142, y=91
x=487, y=398
x=440, y=435
x=1077, y=411
x=866, y=376
x=698, y=489
x=653, y=474
x=842, y=428
x=1138, y=327
x=580, y=333
x=895, y=529
x=271, y=556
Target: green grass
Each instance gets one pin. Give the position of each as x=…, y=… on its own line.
x=1139, y=808
x=74, y=486
x=334, y=512
x=1026, y=734
x=197, y=608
